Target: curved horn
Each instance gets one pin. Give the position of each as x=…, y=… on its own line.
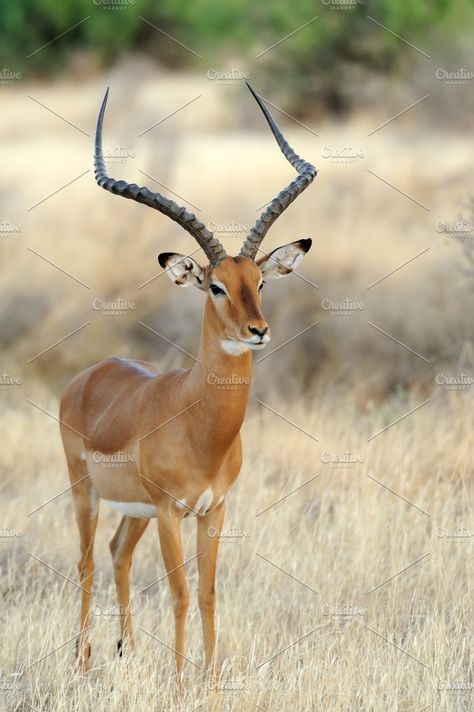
x=307, y=173
x=211, y=245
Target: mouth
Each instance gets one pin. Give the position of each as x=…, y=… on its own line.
x=248, y=344
x=258, y=346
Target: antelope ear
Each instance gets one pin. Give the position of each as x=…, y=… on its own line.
x=284, y=259
x=183, y=270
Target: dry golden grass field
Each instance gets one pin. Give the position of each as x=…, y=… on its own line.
x=346, y=568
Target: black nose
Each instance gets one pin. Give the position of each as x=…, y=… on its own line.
x=258, y=332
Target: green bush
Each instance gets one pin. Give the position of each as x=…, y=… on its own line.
x=228, y=29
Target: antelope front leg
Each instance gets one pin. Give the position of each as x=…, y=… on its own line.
x=169, y=529
x=208, y=533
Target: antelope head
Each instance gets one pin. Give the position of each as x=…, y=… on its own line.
x=233, y=284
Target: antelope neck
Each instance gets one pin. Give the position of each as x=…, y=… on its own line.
x=221, y=380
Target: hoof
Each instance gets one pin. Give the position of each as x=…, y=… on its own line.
x=120, y=648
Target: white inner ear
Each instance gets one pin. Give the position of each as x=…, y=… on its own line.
x=282, y=261
x=184, y=271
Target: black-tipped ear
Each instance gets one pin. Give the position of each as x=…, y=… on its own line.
x=183, y=270
x=305, y=244
x=163, y=258
x=284, y=259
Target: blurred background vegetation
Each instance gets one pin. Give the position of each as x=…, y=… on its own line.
x=341, y=75
x=311, y=65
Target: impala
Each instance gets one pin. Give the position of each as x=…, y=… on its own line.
x=175, y=435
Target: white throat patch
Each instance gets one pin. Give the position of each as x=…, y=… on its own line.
x=234, y=348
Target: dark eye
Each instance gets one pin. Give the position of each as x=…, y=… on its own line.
x=216, y=290
x=260, y=287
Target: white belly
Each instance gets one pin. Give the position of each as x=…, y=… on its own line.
x=133, y=509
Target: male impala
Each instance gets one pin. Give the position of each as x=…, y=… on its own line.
x=178, y=435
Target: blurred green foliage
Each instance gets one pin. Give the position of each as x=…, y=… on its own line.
x=233, y=28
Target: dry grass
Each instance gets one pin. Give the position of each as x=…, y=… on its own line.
x=362, y=230
x=343, y=533
x=340, y=536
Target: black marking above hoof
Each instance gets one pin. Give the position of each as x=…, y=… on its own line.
x=120, y=647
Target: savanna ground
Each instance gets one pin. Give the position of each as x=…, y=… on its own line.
x=352, y=592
